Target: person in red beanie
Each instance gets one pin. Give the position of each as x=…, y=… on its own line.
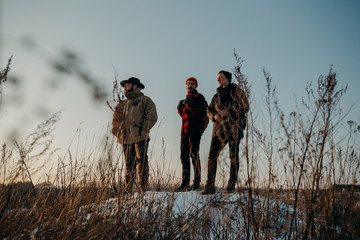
x=194, y=122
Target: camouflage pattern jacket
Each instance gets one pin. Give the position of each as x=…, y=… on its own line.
x=234, y=100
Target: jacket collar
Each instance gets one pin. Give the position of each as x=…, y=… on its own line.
x=225, y=90
x=134, y=94
x=189, y=94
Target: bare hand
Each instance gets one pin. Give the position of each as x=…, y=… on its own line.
x=217, y=118
x=223, y=113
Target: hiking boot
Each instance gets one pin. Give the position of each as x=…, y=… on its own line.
x=127, y=190
x=183, y=188
x=230, y=189
x=143, y=188
x=195, y=187
x=209, y=189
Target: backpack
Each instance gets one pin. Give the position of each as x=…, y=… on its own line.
x=205, y=119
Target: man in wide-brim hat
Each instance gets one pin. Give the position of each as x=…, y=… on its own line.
x=133, y=81
x=132, y=121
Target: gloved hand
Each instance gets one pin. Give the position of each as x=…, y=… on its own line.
x=187, y=110
x=187, y=102
x=180, y=105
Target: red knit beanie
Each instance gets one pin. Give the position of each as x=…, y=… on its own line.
x=192, y=79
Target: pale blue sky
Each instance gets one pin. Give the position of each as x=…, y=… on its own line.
x=165, y=42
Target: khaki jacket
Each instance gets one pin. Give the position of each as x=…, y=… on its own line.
x=134, y=117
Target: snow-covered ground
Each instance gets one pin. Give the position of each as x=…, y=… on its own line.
x=223, y=215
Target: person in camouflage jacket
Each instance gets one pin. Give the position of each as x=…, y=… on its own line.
x=227, y=110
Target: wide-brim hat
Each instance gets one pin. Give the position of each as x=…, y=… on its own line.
x=132, y=80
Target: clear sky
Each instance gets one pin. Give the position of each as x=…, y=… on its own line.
x=163, y=43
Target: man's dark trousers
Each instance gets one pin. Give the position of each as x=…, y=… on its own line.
x=217, y=145
x=136, y=154
x=190, y=145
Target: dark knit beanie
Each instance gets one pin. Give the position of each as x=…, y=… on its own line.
x=227, y=74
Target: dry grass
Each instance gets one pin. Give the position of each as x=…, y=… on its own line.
x=4, y=77
x=305, y=154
